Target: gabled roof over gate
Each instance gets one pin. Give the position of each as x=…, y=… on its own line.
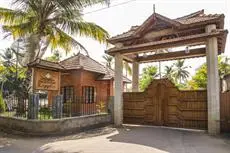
x=193, y=19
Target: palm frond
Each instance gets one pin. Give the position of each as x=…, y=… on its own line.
x=19, y=30
x=8, y=16
x=59, y=38
x=87, y=29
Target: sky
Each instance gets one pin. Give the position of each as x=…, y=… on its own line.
x=118, y=19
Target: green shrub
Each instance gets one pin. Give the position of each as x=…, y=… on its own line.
x=2, y=104
x=45, y=111
x=101, y=107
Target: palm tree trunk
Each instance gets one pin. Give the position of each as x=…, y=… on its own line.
x=32, y=48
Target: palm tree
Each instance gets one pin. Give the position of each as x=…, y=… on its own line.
x=55, y=57
x=180, y=72
x=149, y=73
x=169, y=71
x=223, y=65
x=50, y=23
x=108, y=60
x=127, y=67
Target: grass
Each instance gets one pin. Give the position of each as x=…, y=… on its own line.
x=41, y=116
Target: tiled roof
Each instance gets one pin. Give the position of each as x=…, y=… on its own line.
x=76, y=62
x=200, y=18
x=46, y=64
x=110, y=75
x=127, y=33
x=81, y=61
x=196, y=17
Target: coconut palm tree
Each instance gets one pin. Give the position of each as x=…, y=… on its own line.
x=127, y=68
x=149, y=73
x=55, y=57
x=108, y=60
x=169, y=71
x=223, y=65
x=180, y=72
x=49, y=23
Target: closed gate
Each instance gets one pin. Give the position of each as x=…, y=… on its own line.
x=164, y=105
x=156, y=101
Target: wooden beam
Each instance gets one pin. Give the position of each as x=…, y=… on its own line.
x=128, y=59
x=199, y=52
x=169, y=43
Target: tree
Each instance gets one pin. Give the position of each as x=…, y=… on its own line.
x=55, y=57
x=10, y=73
x=223, y=66
x=127, y=68
x=149, y=73
x=49, y=23
x=199, y=80
x=108, y=60
x=169, y=71
x=180, y=72
x=2, y=103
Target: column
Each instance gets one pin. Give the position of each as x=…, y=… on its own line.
x=118, y=99
x=213, y=87
x=135, y=77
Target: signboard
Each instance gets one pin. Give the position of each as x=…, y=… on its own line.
x=46, y=79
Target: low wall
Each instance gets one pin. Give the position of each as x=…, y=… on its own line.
x=53, y=127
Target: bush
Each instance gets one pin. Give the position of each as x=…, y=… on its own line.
x=2, y=104
x=45, y=111
x=101, y=107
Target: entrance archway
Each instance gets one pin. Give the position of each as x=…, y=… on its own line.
x=203, y=34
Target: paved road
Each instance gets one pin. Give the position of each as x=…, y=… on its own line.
x=142, y=140
x=18, y=144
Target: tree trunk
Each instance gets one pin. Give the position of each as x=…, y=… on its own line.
x=32, y=47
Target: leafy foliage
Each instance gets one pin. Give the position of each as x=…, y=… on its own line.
x=127, y=67
x=169, y=71
x=2, y=103
x=108, y=60
x=180, y=72
x=55, y=57
x=149, y=73
x=13, y=77
x=50, y=23
x=199, y=80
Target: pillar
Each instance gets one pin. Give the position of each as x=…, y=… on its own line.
x=213, y=87
x=135, y=77
x=118, y=99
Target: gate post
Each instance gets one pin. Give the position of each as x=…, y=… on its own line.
x=118, y=99
x=135, y=77
x=57, y=106
x=213, y=86
x=33, y=104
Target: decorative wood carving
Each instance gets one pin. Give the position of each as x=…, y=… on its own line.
x=46, y=79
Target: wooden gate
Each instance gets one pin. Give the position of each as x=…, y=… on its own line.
x=164, y=105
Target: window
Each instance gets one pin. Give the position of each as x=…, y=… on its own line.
x=68, y=93
x=89, y=93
